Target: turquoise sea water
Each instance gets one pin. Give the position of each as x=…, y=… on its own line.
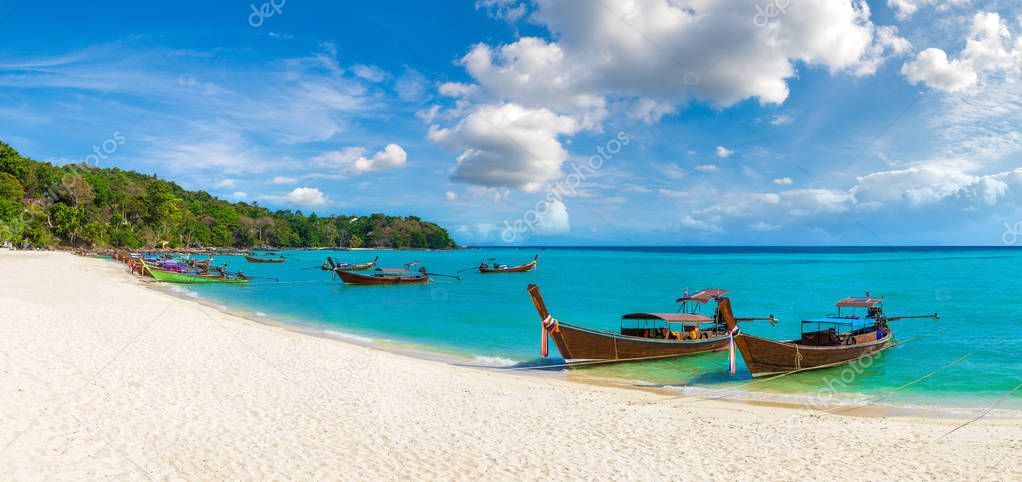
x=489, y=318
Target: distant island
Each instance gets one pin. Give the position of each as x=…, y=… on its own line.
x=79, y=205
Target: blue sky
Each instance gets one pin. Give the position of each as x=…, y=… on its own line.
x=730, y=122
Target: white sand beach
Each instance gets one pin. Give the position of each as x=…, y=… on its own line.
x=102, y=377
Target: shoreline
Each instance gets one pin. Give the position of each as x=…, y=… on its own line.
x=793, y=401
x=104, y=378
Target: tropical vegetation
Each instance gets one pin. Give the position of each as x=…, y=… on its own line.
x=83, y=206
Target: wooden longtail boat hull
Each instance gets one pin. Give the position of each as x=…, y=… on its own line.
x=531, y=265
x=363, y=279
x=172, y=277
x=767, y=357
x=329, y=266
x=251, y=259
x=578, y=344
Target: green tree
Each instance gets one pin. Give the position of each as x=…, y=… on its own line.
x=67, y=221
x=10, y=187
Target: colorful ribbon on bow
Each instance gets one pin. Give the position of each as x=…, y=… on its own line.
x=549, y=327
x=731, y=346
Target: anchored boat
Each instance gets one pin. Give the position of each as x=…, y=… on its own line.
x=384, y=276
x=331, y=266
x=859, y=329
x=190, y=277
x=494, y=267
x=253, y=259
x=642, y=336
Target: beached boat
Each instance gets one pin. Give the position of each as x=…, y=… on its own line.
x=265, y=259
x=384, y=276
x=642, y=336
x=169, y=276
x=825, y=342
x=329, y=265
x=493, y=267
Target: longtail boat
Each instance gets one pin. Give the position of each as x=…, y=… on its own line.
x=493, y=267
x=385, y=276
x=329, y=265
x=825, y=342
x=169, y=276
x=642, y=336
x=253, y=259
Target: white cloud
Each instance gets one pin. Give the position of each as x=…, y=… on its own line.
x=284, y=180
x=412, y=86
x=626, y=56
x=371, y=73
x=932, y=67
x=507, y=145
x=352, y=160
x=988, y=49
x=225, y=184
x=784, y=181
x=237, y=196
x=780, y=120
x=724, y=152
x=936, y=182
x=601, y=52
x=706, y=168
x=554, y=221
x=509, y=10
x=904, y=9
x=306, y=196
x=451, y=196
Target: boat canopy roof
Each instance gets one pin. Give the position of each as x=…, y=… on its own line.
x=703, y=296
x=848, y=322
x=859, y=302
x=669, y=317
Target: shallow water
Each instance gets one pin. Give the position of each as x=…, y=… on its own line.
x=490, y=319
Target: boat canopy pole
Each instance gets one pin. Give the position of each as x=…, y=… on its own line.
x=896, y=318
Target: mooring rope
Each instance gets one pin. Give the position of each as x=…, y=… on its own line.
x=985, y=413
x=913, y=382
x=775, y=377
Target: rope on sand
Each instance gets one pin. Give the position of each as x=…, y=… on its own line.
x=986, y=412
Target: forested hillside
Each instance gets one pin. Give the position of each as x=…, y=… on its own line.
x=83, y=206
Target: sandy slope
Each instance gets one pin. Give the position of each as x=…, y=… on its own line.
x=102, y=377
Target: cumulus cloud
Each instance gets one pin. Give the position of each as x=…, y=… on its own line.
x=936, y=182
x=451, y=196
x=507, y=145
x=352, y=160
x=225, y=184
x=784, y=181
x=932, y=67
x=306, y=196
x=723, y=152
x=644, y=58
x=988, y=48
